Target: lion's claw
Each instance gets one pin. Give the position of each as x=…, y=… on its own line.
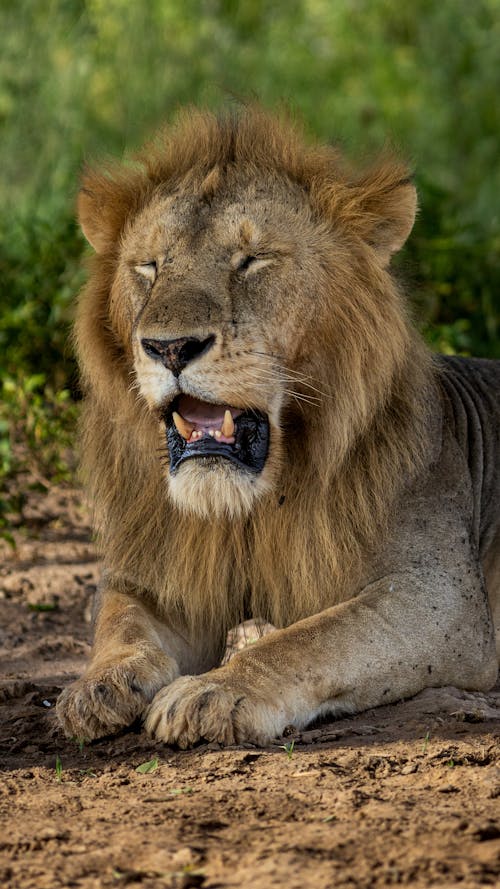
x=94, y=707
x=196, y=708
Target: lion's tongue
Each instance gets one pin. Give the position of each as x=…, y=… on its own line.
x=201, y=412
x=202, y=418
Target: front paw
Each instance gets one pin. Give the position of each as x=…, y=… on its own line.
x=112, y=698
x=211, y=707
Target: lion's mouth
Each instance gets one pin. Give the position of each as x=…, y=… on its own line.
x=202, y=430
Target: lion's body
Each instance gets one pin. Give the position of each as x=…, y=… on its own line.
x=471, y=389
x=243, y=278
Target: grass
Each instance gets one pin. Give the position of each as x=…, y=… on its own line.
x=288, y=748
x=42, y=606
x=59, y=768
x=150, y=766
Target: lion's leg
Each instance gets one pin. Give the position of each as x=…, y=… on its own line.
x=394, y=639
x=133, y=655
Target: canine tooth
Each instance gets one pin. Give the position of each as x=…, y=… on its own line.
x=183, y=428
x=228, y=424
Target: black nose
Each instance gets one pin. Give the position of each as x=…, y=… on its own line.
x=176, y=354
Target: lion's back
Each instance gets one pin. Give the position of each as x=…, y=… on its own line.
x=472, y=390
x=472, y=387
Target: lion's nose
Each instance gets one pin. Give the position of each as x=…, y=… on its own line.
x=176, y=354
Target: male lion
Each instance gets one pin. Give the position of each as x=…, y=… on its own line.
x=265, y=434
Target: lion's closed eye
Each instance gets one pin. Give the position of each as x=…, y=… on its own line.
x=246, y=263
x=249, y=263
x=147, y=270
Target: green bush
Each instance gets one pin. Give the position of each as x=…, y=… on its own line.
x=454, y=267
x=37, y=426
x=41, y=271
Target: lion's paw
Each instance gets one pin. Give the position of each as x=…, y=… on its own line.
x=103, y=704
x=196, y=708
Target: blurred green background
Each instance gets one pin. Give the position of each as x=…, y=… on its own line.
x=83, y=78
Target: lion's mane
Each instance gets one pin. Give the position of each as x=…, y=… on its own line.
x=305, y=545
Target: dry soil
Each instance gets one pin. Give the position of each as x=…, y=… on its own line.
x=407, y=794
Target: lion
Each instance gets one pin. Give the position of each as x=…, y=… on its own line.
x=264, y=434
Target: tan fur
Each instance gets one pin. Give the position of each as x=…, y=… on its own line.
x=324, y=346
x=372, y=410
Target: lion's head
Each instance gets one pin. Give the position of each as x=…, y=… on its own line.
x=242, y=293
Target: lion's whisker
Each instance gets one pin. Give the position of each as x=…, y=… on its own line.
x=290, y=375
x=298, y=396
x=304, y=380
x=283, y=379
x=307, y=399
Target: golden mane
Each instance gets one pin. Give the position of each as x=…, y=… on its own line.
x=351, y=456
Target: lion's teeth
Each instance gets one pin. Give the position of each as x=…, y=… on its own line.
x=228, y=425
x=183, y=428
x=190, y=433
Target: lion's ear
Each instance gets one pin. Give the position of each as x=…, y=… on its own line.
x=379, y=206
x=395, y=214
x=386, y=209
x=105, y=202
x=91, y=223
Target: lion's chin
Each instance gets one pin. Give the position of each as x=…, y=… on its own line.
x=212, y=487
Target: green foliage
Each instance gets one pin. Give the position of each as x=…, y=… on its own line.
x=146, y=767
x=91, y=77
x=288, y=748
x=37, y=425
x=41, y=271
x=41, y=607
x=457, y=271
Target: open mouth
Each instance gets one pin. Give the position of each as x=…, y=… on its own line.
x=202, y=430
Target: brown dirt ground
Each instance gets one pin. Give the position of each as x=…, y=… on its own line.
x=406, y=794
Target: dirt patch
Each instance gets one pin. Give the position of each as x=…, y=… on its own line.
x=407, y=794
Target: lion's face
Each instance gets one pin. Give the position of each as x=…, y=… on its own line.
x=242, y=289
x=221, y=297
